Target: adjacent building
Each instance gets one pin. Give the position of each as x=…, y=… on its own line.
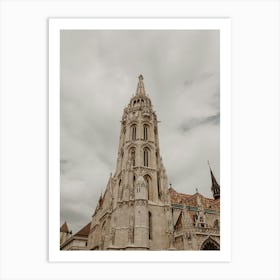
x=76, y=242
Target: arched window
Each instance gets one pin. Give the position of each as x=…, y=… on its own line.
x=210, y=244
x=146, y=128
x=133, y=157
x=133, y=132
x=150, y=225
x=149, y=183
x=146, y=157
x=158, y=186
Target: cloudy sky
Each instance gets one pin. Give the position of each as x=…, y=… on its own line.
x=99, y=71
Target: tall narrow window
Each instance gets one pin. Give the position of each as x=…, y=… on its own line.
x=148, y=181
x=146, y=157
x=134, y=132
x=133, y=157
x=145, y=132
x=150, y=225
x=158, y=187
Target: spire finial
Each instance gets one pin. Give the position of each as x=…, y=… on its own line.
x=140, y=87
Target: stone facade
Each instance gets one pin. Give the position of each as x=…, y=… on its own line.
x=138, y=210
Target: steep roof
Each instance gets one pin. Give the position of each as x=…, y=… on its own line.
x=84, y=231
x=64, y=228
x=177, y=197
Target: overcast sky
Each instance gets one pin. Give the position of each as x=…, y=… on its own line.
x=99, y=71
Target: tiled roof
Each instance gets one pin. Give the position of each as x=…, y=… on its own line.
x=84, y=231
x=178, y=197
x=64, y=228
x=191, y=200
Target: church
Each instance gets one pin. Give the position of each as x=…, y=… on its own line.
x=139, y=210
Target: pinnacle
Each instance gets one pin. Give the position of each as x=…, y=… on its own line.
x=140, y=87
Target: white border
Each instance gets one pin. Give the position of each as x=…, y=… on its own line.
x=55, y=25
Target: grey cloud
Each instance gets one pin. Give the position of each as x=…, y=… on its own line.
x=194, y=123
x=202, y=77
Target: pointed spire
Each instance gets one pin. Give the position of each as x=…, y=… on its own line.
x=140, y=87
x=215, y=186
x=64, y=228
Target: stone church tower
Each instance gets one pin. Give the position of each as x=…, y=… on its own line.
x=135, y=210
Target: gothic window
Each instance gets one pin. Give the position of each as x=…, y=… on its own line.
x=148, y=181
x=150, y=225
x=210, y=244
x=133, y=157
x=134, y=132
x=146, y=157
x=146, y=132
x=158, y=186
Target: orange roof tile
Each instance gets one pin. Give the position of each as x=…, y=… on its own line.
x=191, y=200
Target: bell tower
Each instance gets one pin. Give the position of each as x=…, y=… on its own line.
x=139, y=147
x=140, y=193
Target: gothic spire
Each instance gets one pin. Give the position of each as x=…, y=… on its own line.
x=215, y=186
x=140, y=87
